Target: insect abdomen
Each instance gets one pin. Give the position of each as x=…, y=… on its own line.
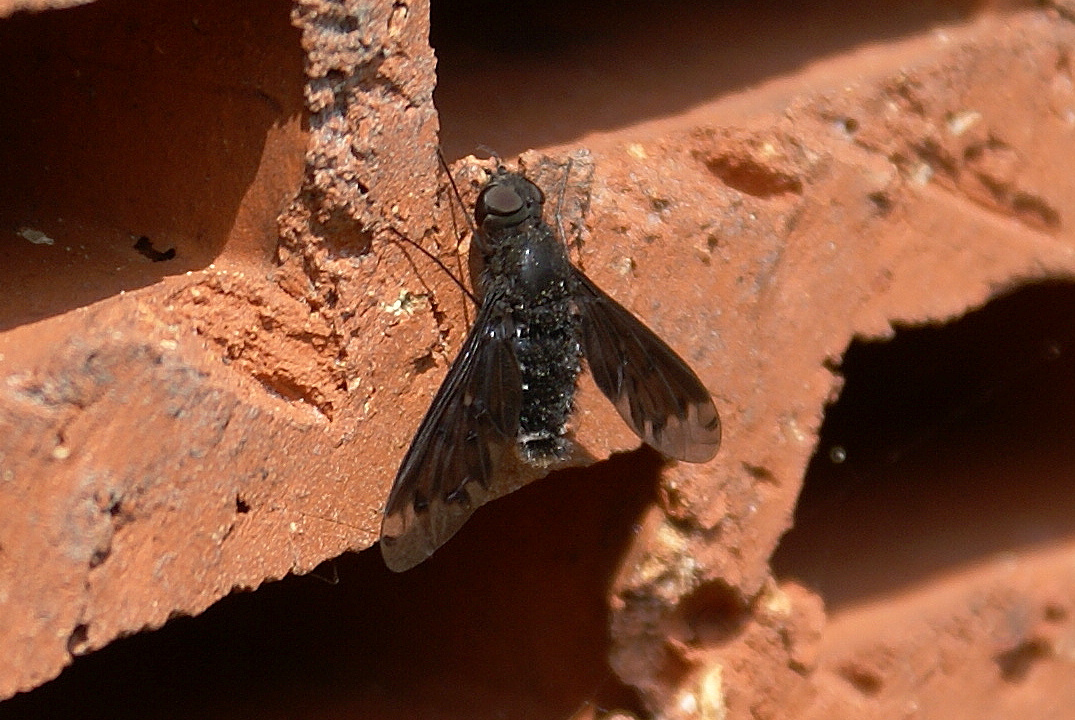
x=547, y=348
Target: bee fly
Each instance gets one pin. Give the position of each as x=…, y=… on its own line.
x=507, y=396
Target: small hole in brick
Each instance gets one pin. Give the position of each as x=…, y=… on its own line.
x=76, y=641
x=1015, y=664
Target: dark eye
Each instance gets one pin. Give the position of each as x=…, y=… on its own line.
x=501, y=200
x=500, y=206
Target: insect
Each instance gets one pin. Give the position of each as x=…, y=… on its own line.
x=506, y=399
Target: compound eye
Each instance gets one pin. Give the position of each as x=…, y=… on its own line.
x=501, y=200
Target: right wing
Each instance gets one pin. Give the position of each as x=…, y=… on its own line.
x=654, y=390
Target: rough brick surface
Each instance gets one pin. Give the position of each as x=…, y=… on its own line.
x=170, y=435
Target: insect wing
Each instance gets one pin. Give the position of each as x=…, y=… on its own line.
x=450, y=468
x=653, y=389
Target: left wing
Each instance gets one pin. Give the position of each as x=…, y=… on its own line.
x=452, y=465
